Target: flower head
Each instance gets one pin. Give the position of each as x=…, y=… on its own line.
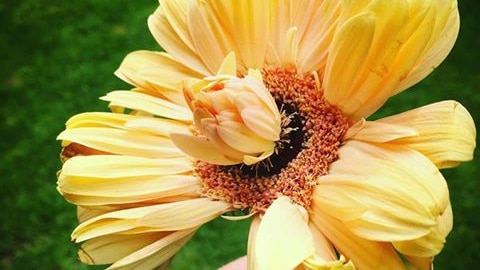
x=261, y=106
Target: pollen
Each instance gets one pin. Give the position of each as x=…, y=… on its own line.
x=312, y=132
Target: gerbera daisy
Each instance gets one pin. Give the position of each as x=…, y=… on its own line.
x=258, y=107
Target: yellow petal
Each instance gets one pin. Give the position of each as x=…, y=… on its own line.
x=357, y=88
x=142, y=102
x=420, y=263
x=162, y=217
x=229, y=65
x=239, y=137
x=157, y=126
x=383, y=194
x=248, y=22
x=168, y=31
x=446, y=132
x=122, y=142
x=323, y=247
x=157, y=71
x=432, y=243
x=316, y=22
x=406, y=34
x=444, y=32
x=252, y=239
x=200, y=149
x=376, y=131
x=212, y=43
x=283, y=239
x=261, y=123
x=101, y=191
x=155, y=254
x=178, y=191
x=108, y=249
x=98, y=119
x=110, y=166
x=363, y=253
x=346, y=58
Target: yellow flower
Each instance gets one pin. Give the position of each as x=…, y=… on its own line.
x=261, y=106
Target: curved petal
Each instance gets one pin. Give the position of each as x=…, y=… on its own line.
x=99, y=180
x=325, y=256
x=405, y=32
x=285, y=246
x=156, y=254
x=252, y=238
x=432, y=243
x=363, y=253
x=156, y=71
x=150, y=104
x=162, y=217
x=121, y=142
x=443, y=37
x=201, y=149
x=446, y=132
x=169, y=30
x=111, y=248
x=383, y=194
x=317, y=24
x=211, y=40
x=248, y=24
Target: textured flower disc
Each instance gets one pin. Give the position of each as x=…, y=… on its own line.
x=313, y=131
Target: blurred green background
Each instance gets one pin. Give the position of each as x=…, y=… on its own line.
x=57, y=57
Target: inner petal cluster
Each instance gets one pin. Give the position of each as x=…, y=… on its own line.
x=295, y=166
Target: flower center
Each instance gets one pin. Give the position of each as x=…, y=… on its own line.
x=312, y=131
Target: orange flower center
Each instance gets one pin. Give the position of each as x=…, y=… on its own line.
x=312, y=131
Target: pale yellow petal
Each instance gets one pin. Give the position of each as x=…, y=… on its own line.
x=200, y=149
x=252, y=238
x=420, y=263
x=155, y=254
x=229, y=65
x=109, y=249
x=323, y=247
x=122, y=142
x=352, y=86
x=158, y=126
x=86, y=213
x=111, y=191
x=157, y=71
x=376, y=131
x=174, y=216
x=242, y=139
x=111, y=166
x=446, y=132
x=184, y=214
x=98, y=119
x=383, y=194
x=444, y=32
x=261, y=123
x=212, y=43
x=345, y=60
x=176, y=14
x=363, y=253
x=408, y=34
x=283, y=239
x=316, y=22
x=154, y=105
x=248, y=24
x=177, y=43
x=179, y=191
x=432, y=243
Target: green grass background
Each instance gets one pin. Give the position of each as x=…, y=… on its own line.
x=57, y=57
